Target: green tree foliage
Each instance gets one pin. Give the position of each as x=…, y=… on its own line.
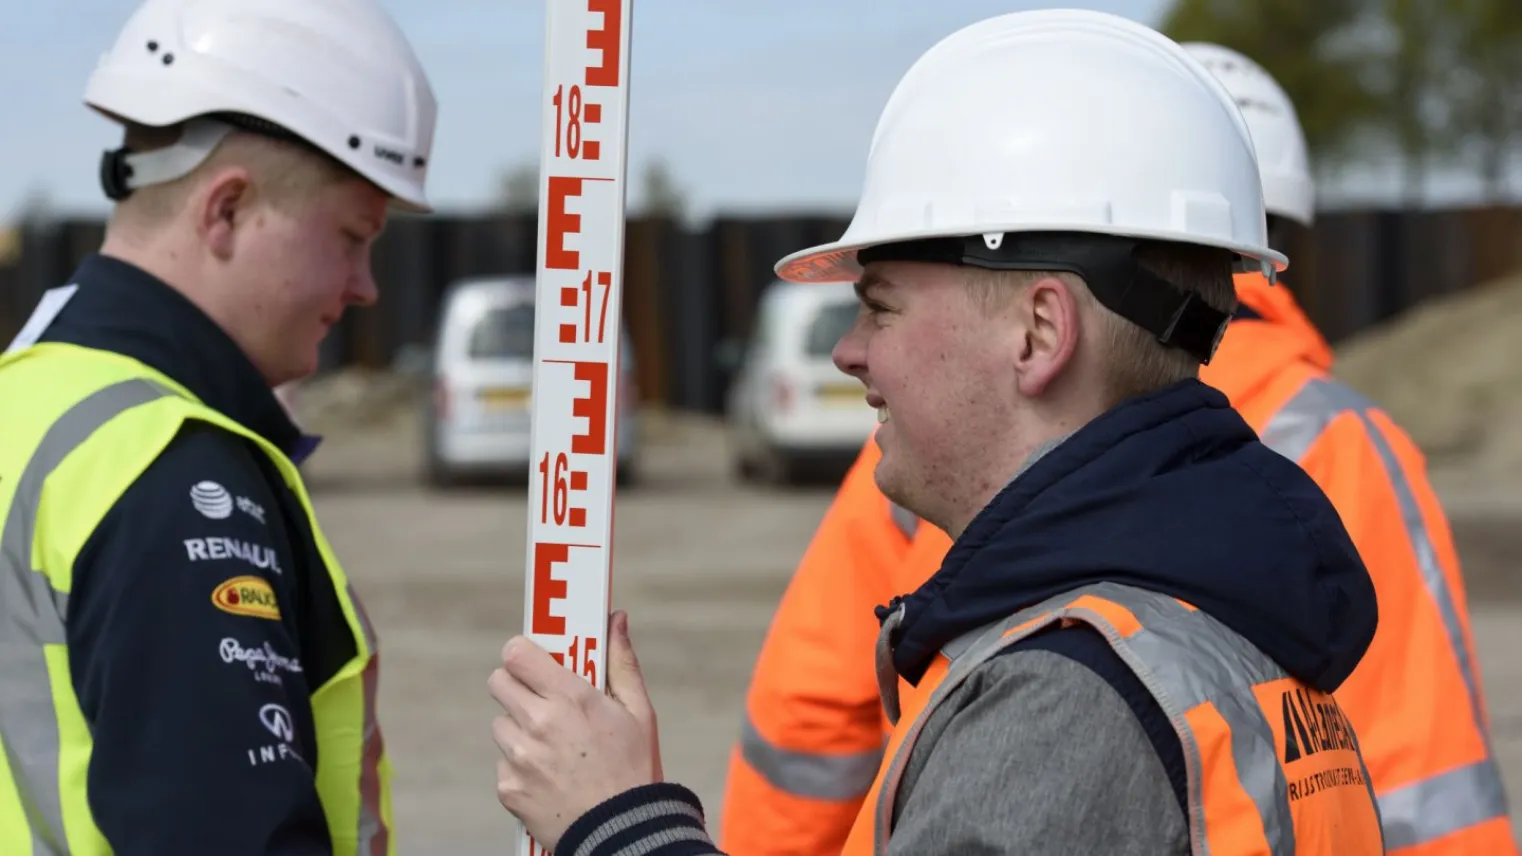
x=1412, y=77
x=1430, y=79
x=1486, y=85
x=1307, y=46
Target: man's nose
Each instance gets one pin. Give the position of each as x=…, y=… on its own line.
x=362, y=289
x=850, y=352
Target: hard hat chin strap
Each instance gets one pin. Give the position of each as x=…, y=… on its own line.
x=1107, y=264
x=123, y=171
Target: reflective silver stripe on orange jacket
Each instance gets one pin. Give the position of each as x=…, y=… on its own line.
x=819, y=775
x=1430, y=808
x=811, y=775
x=1184, y=658
x=32, y=615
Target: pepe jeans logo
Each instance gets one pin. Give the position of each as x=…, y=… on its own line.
x=264, y=658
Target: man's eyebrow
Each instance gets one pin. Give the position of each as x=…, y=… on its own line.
x=867, y=283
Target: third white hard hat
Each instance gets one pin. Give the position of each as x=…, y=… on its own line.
x=337, y=74
x=1055, y=121
x=1288, y=189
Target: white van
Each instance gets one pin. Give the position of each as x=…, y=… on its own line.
x=477, y=418
x=788, y=406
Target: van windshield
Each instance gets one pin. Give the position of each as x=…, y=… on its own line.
x=503, y=333
x=833, y=321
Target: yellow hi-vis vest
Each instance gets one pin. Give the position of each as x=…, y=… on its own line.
x=78, y=426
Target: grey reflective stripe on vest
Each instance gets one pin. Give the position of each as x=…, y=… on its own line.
x=1430, y=808
x=1184, y=658
x=32, y=614
x=373, y=836
x=807, y=774
x=907, y=521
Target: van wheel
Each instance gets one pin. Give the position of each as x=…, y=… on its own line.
x=775, y=468
x=744, y=469
x=626, y=474
x=438, y=475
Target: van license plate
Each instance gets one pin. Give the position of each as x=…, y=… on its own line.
x=503, y=398
x=841, y=395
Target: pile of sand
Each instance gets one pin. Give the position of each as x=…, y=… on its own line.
x=355, y=399
x=1450, y=373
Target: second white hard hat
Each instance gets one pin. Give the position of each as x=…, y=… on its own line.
x=335, y=74
x=1288, y=189
x=1055, y=121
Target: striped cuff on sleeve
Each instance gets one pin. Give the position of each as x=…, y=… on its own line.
x=661, y=819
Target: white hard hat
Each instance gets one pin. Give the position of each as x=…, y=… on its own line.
x=1288, y=190
x=335, y=74
x=1059, y=122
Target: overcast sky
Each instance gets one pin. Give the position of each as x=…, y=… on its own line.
x=755, y=104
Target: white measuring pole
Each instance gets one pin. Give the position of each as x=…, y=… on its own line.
x=583, y=162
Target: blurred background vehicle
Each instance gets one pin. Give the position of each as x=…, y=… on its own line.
x=789, y=410
x=476, y=420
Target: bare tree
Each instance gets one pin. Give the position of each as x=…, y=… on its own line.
x=661, y=195
x=518, y=189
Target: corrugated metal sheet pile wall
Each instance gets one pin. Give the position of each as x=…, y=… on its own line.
x=688, y=289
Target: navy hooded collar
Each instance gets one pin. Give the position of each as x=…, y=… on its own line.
x=1170, y=492
x=122, y=308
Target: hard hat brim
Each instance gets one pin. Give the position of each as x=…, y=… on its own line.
x=836, y=261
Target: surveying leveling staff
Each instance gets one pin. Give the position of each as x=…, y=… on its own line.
x=185, y=667
x=1131, y=646
x=814, y=730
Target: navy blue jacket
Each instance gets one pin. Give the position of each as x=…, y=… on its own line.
x=1170, y=492
x=202, y=724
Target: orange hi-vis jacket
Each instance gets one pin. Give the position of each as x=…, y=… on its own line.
x=814, y=732
x=1235, y=710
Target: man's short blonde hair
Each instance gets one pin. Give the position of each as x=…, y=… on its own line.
x=1137, y=362
x=285, y=173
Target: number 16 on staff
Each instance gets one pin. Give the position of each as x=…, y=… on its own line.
x=583, y=160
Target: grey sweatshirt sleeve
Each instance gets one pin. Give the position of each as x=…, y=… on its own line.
x=1033, y=755
x=660, y=819
x=1036, y=755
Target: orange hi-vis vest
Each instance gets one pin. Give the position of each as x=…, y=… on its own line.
x=1416, y=696
x=1273, y=765
x=814, y=730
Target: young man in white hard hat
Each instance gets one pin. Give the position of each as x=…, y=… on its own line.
x=1132, y=644
x=186, y=668
x=813, y=732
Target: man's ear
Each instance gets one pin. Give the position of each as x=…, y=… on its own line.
x=223, y=207
x=1048, y=311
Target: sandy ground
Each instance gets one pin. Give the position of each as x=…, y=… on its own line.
x=700, y=565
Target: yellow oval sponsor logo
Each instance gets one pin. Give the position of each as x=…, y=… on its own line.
x=246, y=595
